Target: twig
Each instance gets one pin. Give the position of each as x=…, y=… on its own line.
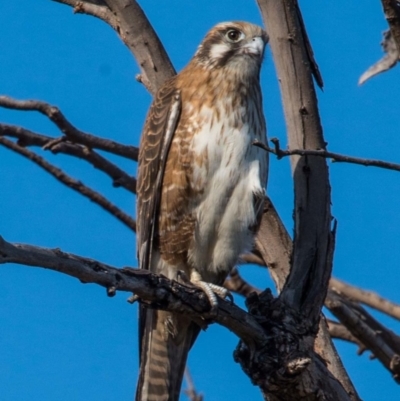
x=29, y=138
x=369, y=298
x=191, y=390
x=72, y=183
x=156, y=291
x=336, y=157
x=72, y=133
x=236, y=283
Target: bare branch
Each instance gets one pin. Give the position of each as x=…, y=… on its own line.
x=71, y=132
x=156, y=291
x=29, y=138
x=392, y=14
x=336, y=157
x=305, y=288
x=273, y=244
x=369, y=298
x=383, y=343
x=385, y=63
x=71, y=182
x=306, y=285
x=273, y=233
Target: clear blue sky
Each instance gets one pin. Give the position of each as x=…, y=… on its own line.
x=61, y=339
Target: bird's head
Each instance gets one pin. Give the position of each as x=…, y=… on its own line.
x=232, y=44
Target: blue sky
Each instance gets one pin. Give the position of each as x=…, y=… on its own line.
x=65, y=340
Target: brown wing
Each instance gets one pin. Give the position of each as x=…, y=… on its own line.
x=156, y=138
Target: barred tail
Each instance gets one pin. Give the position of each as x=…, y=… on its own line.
x=165, y=344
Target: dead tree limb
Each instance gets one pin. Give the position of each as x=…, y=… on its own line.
x=71, y=183
x=336, y=157
x=390, y=42
x=388, y=61
x=71, y=132
x=29, y=138
x=365, y=297
x=274, y=245
x=153, y=290
x=391, y=9
x=383, y=343
x=303, y=293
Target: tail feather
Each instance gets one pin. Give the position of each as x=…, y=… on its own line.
x=165, y=344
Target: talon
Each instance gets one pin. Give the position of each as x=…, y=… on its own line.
x=206, y=287
x=221, y=291
x=211, y=290
x=183, y=277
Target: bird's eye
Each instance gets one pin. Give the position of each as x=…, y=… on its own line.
x=233, y=35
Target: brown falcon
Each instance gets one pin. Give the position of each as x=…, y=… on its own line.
x=201, y=185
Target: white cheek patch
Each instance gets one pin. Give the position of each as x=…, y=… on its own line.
x=218, y=50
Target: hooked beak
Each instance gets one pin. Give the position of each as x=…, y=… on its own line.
x=255, y=47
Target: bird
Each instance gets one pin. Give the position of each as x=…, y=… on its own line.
x=200, y=188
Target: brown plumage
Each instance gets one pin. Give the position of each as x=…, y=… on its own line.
x=200, y=187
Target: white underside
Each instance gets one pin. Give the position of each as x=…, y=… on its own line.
x=236, y=170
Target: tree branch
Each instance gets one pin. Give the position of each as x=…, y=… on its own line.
x=369, y=298
x=273, y=244
x=29, y=138
x=336, y=157
x=159, y=292
x=72, y=183
x=391, y=9
x=388, y=61
x=306, y=285
x=154, y=290
x=71, y=132
x=383, y=343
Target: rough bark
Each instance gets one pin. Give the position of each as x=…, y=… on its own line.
x=291, y=369
x=274, y=246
